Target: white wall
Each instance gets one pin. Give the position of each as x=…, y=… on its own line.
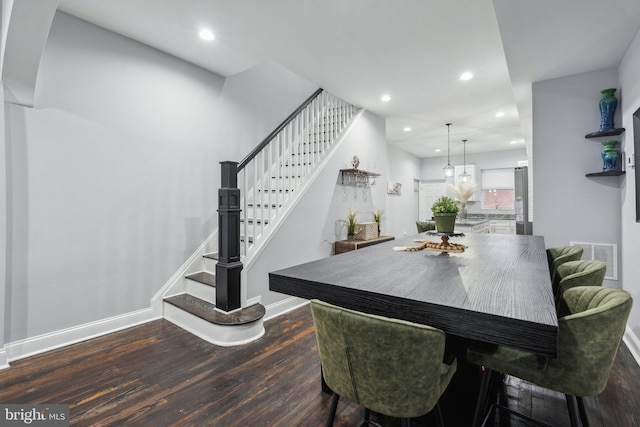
x=628, y=73
x=431, y=169
x=253, y=104
x=113, y=178
x=309, y=232
x=568, y=205
x=402, y=210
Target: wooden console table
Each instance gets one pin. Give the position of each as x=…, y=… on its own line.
x=342, y=246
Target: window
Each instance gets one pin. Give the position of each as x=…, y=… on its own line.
x=497, y=189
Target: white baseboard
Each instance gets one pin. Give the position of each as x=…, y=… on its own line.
x=633, y=344
x=4, y=363
x=284, y=306
x=50, y=341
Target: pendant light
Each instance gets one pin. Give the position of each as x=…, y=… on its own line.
x=464, y=176
x=449, y=171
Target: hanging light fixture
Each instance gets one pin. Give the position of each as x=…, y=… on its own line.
x=449, y=171
x=464, y=176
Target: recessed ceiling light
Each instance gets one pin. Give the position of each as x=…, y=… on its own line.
x=500, y=114
x=206, y=34
x=516, y=142
x=407, y=129
x=466, y=76
x=437, y=150
x=385, y=98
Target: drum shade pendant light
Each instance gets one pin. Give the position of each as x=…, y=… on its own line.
x=449, y=171
x=464, y=176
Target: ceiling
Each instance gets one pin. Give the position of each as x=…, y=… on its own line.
x=412, y=50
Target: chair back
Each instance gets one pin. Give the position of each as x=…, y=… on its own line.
x=387, y=365
x=588, y=339
x=578, y=273
x=560, y=255
x=425, y=226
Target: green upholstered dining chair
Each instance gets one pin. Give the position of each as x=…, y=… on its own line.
x=425, y=226
x=578, y=273
x=560, y=255
x=589, y=334
x=389, y=366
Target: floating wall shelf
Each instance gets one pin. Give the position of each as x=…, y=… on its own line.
x=611, y=173
x=612, y=132
x=357, y=177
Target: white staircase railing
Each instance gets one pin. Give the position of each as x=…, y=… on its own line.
x=255, y=191
x=269, y=178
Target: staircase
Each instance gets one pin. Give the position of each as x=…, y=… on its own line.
x=207, y=300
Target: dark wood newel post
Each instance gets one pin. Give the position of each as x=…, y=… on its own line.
x=229, y=266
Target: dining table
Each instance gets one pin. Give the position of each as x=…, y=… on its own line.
x=496, y=291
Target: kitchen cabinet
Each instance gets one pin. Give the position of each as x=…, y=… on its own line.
x=502, y=226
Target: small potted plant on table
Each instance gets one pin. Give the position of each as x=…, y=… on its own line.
x=352, y=222
x=445, y=210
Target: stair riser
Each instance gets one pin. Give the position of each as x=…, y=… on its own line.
x=200, y=290
x=276, y=197
x=221, y=335
x=210, y=265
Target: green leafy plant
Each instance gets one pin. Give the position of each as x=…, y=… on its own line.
x=352, y=221
x=377, y=216
x=444, y=205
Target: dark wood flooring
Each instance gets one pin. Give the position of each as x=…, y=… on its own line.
x=158, y=375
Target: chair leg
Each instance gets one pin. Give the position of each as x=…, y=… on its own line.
x=482, y=397
x=438, y=414
x=406, y=422
x=334, y=406
x=365, y=420
x=583, y=412
x=572, y=406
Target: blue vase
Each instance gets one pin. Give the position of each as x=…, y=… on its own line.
x=608, y=105
x=610, y=152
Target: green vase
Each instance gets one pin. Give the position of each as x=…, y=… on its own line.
x=445, y=222
x=610, y=152
x=607, y=105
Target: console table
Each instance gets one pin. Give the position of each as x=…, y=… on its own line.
x=342, y=246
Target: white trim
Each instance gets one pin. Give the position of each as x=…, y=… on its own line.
x=222, y=335
x=633, y=343
x=4, y=363
x=175, y=284
x=50, y=341
x=281, y=307
x=270, y=232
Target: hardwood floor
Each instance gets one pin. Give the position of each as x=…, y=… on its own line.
x=157, y=375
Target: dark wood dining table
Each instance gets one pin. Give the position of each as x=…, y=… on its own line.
x=497, y=291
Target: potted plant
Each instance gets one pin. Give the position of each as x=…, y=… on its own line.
x=377, y=217
x=445, y=210
x=351, y=223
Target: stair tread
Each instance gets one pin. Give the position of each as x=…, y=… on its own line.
x=259, y=205
x=203, y=277
x=212, y=255
x=251, y=221
x=206, y=311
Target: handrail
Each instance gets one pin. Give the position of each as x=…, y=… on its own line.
x=277, y=130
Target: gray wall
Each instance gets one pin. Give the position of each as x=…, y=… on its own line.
x=568, y=205
x=113, y=177
x=402, y=210
x=629, y=72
